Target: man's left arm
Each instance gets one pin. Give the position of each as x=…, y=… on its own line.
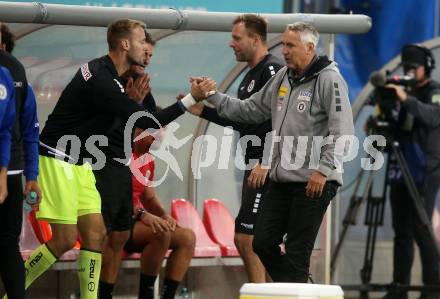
x=334, y=95
x=152, y=204
x=30, y=131
x=149, y=103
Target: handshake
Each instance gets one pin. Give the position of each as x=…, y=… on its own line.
x=202, y=87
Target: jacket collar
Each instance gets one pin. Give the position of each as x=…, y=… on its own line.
x=313, y=69
x=110, y=65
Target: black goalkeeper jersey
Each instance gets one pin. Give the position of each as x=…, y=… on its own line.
x=254, y=80
x=90, y=104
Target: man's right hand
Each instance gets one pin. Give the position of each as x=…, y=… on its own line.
x=157, y=224
x=33, y=186
x=257, y=178
x=139, y=88
x=199, y=89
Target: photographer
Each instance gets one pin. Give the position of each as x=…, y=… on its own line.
x=418, y=132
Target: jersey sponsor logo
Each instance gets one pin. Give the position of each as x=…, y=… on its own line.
x=251, y=86
x=282, y=91
x=304, y=95
x=436, y=99
x=92, y=269
x=301, y=107
x=281, y=94
x=247, y=225
x=86, y=72
x=35, y=260
x=120, y=85
x=3, y=92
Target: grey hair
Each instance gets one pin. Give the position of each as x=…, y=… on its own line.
x=308, y=33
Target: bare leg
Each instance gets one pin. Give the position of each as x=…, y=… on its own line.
x=182, y=243
x=155, y=246
x=43, y=257
x=112, y=255
x=254, y=268
x=92, y=230
x=63, y=238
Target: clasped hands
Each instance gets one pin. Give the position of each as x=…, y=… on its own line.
x=202, y=87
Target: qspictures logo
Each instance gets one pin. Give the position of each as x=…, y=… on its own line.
x=283, y=153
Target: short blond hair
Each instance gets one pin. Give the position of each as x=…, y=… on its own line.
x=121, y=29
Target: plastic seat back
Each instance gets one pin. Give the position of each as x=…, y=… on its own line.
x=220, y=225
x=186, y=215
x=43, y=231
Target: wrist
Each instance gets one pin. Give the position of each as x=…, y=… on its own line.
x=321, y=173
x=31, y=177
x=188, y=100
x=210, y=93
x=139, y=214
x=404, y=97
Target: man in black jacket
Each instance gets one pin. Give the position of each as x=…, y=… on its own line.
x=116, y=195
x=87, y=108
x=249, y=44
x=24, y=159
x=418, y=133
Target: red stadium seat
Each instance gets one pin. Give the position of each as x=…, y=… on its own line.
x=130, y=256
x=42, y=229
x=28, y=239
x=186, y=215
x=220, y=226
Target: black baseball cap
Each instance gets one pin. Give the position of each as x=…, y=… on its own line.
x=413, y=56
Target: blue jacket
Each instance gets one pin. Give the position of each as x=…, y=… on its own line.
x=30, y=131
x=7, y=115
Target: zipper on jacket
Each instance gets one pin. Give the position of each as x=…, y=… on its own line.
x=282, y=122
